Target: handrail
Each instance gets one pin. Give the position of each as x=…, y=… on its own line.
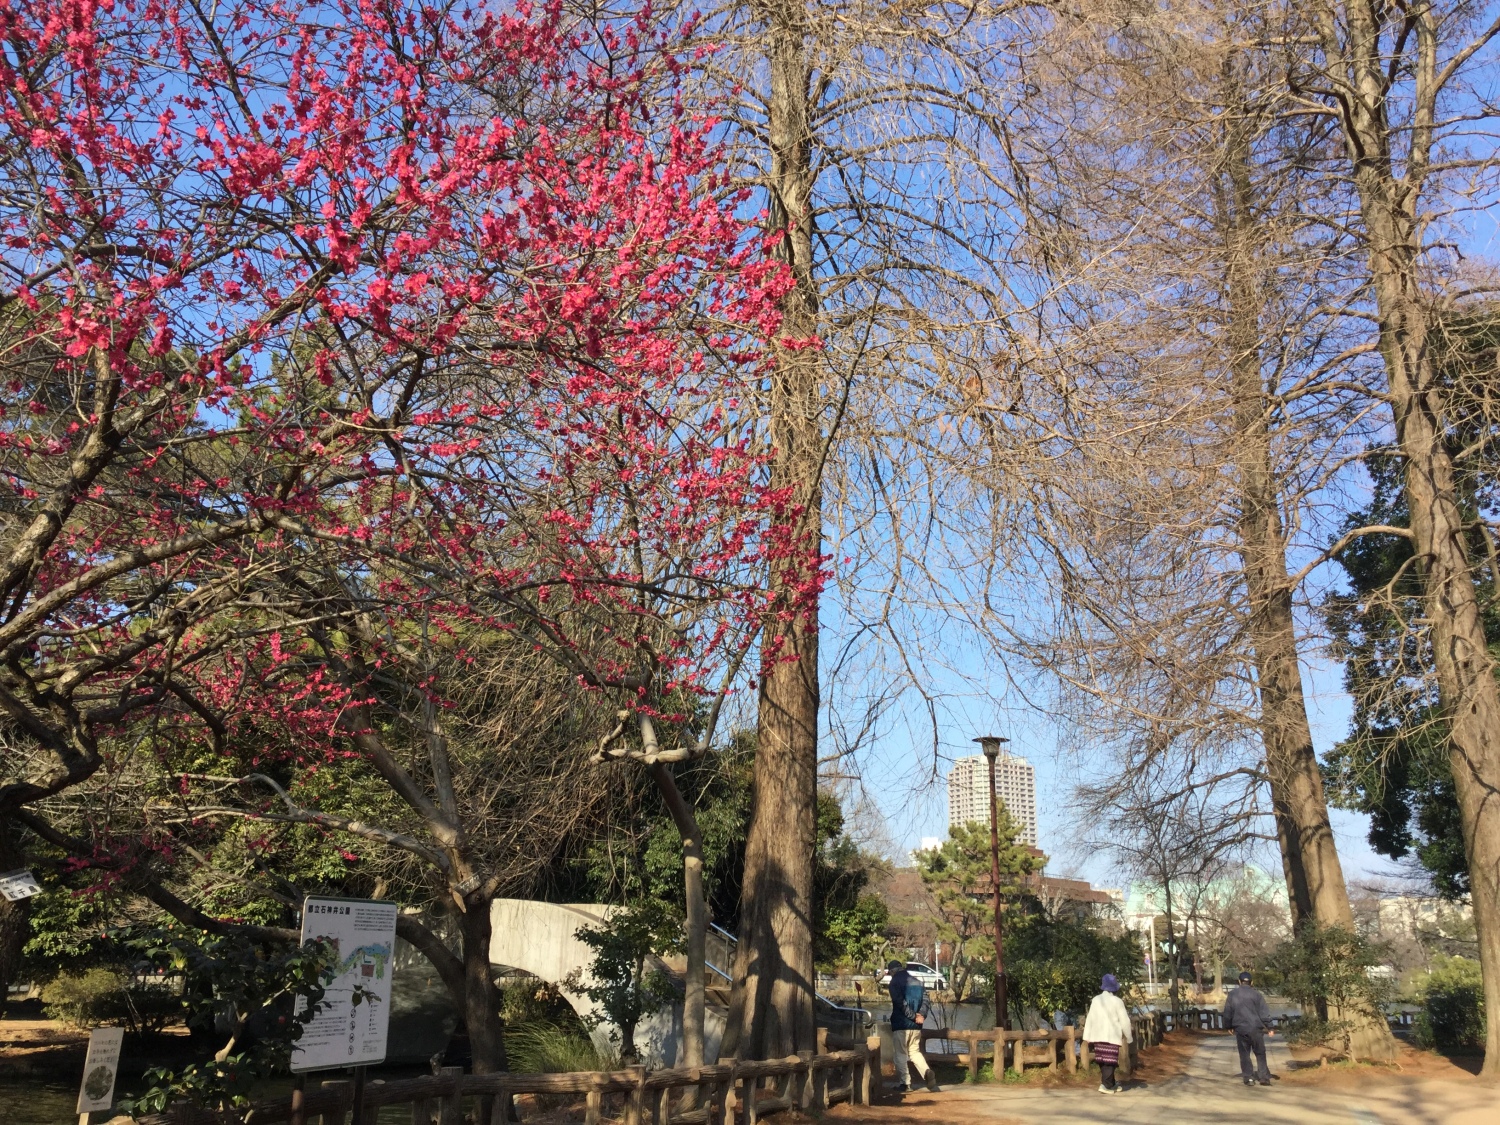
x=722, y=932
x=727, y=936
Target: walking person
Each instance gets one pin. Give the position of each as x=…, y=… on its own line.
x=1249, y=1016
x=909, y=1011
x=1107, y=1030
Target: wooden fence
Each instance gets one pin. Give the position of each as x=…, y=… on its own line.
x=731, y=1093
x=1212, y=1019
x=1056, y=1049
x=1207, y=1019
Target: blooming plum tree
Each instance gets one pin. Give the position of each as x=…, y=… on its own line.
x=337, y=335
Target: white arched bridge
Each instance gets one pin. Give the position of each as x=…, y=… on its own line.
x=541, y=938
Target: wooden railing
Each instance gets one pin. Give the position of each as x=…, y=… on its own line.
x=730, y=1093
x=1206, y=1019
x=1056, y=1049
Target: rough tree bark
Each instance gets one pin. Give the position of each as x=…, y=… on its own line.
x=1465, y=671
x=481, y=1000
x=1314, y=875
x=771, y=1004
x=1392, y=204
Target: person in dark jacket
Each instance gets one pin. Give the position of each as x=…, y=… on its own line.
x=1249, y=1016
x=909, y=1011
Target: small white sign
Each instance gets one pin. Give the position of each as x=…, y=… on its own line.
x=16, y=885
x=351, y=1025
x=99, y=1069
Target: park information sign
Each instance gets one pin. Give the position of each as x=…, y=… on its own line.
x=16, y=885
x=350, y=1027
x=99, y=1068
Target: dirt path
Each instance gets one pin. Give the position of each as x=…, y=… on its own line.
x=1196, y=1078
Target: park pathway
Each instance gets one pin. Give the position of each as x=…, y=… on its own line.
x=1211, y=1093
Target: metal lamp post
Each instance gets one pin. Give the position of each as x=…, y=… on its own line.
x=990, y=744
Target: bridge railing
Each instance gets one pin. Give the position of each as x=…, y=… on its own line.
x=731, y=1093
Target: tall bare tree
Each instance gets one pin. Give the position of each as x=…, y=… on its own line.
x=1194, y=395
x=1394, y=83
x=843, y=117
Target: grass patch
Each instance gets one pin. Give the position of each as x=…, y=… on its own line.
x=545, y=1048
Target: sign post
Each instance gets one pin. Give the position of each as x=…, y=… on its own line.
x=352, y=1025
x=99, y=1069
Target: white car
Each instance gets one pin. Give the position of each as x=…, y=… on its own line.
x=928, y=977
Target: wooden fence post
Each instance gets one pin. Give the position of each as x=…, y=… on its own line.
x=451, y=1100
x=799, y=1082
x=731, y=1091
x=341, y=1087
x=635, y=1098
x=874, y=1071
x=817, y=1091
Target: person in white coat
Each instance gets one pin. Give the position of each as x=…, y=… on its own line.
x=1106, y=1030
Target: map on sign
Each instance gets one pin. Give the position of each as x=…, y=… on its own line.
x=352, y=1023
x=16, y=885
x=99, y=1068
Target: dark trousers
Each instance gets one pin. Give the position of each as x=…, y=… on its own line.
x=1248, y=1041
x=1107, y=1074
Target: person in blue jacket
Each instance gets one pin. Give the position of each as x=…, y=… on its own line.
x=909, y=1011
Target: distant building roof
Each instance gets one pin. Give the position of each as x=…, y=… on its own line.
x=905, y=894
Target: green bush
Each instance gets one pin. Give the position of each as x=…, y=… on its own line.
x=1452, y=998
x=1331, y=965
x=103, y=995
x=526, y=999
x=545, y=1048
x=88, y=999
x=1055, y=964
x=1310, y=1031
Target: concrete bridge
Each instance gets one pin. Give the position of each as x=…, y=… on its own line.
x=541, y=938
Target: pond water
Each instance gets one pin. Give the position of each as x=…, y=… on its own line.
x=37, y=1101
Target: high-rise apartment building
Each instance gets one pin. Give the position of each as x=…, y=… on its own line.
x=1015, y=785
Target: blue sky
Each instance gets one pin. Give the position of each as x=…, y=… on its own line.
x=898, y=773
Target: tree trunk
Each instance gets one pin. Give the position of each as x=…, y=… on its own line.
x=13, y=915
x=694, y=996
x=629, y=1056
x=1465, y=671
x=1392, y=210
x=1197, y=962
x=1176, y=993
x=1314, y=875
x=771, y=1007
x=481, y=999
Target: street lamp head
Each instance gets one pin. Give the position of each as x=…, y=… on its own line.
x=990, y=744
